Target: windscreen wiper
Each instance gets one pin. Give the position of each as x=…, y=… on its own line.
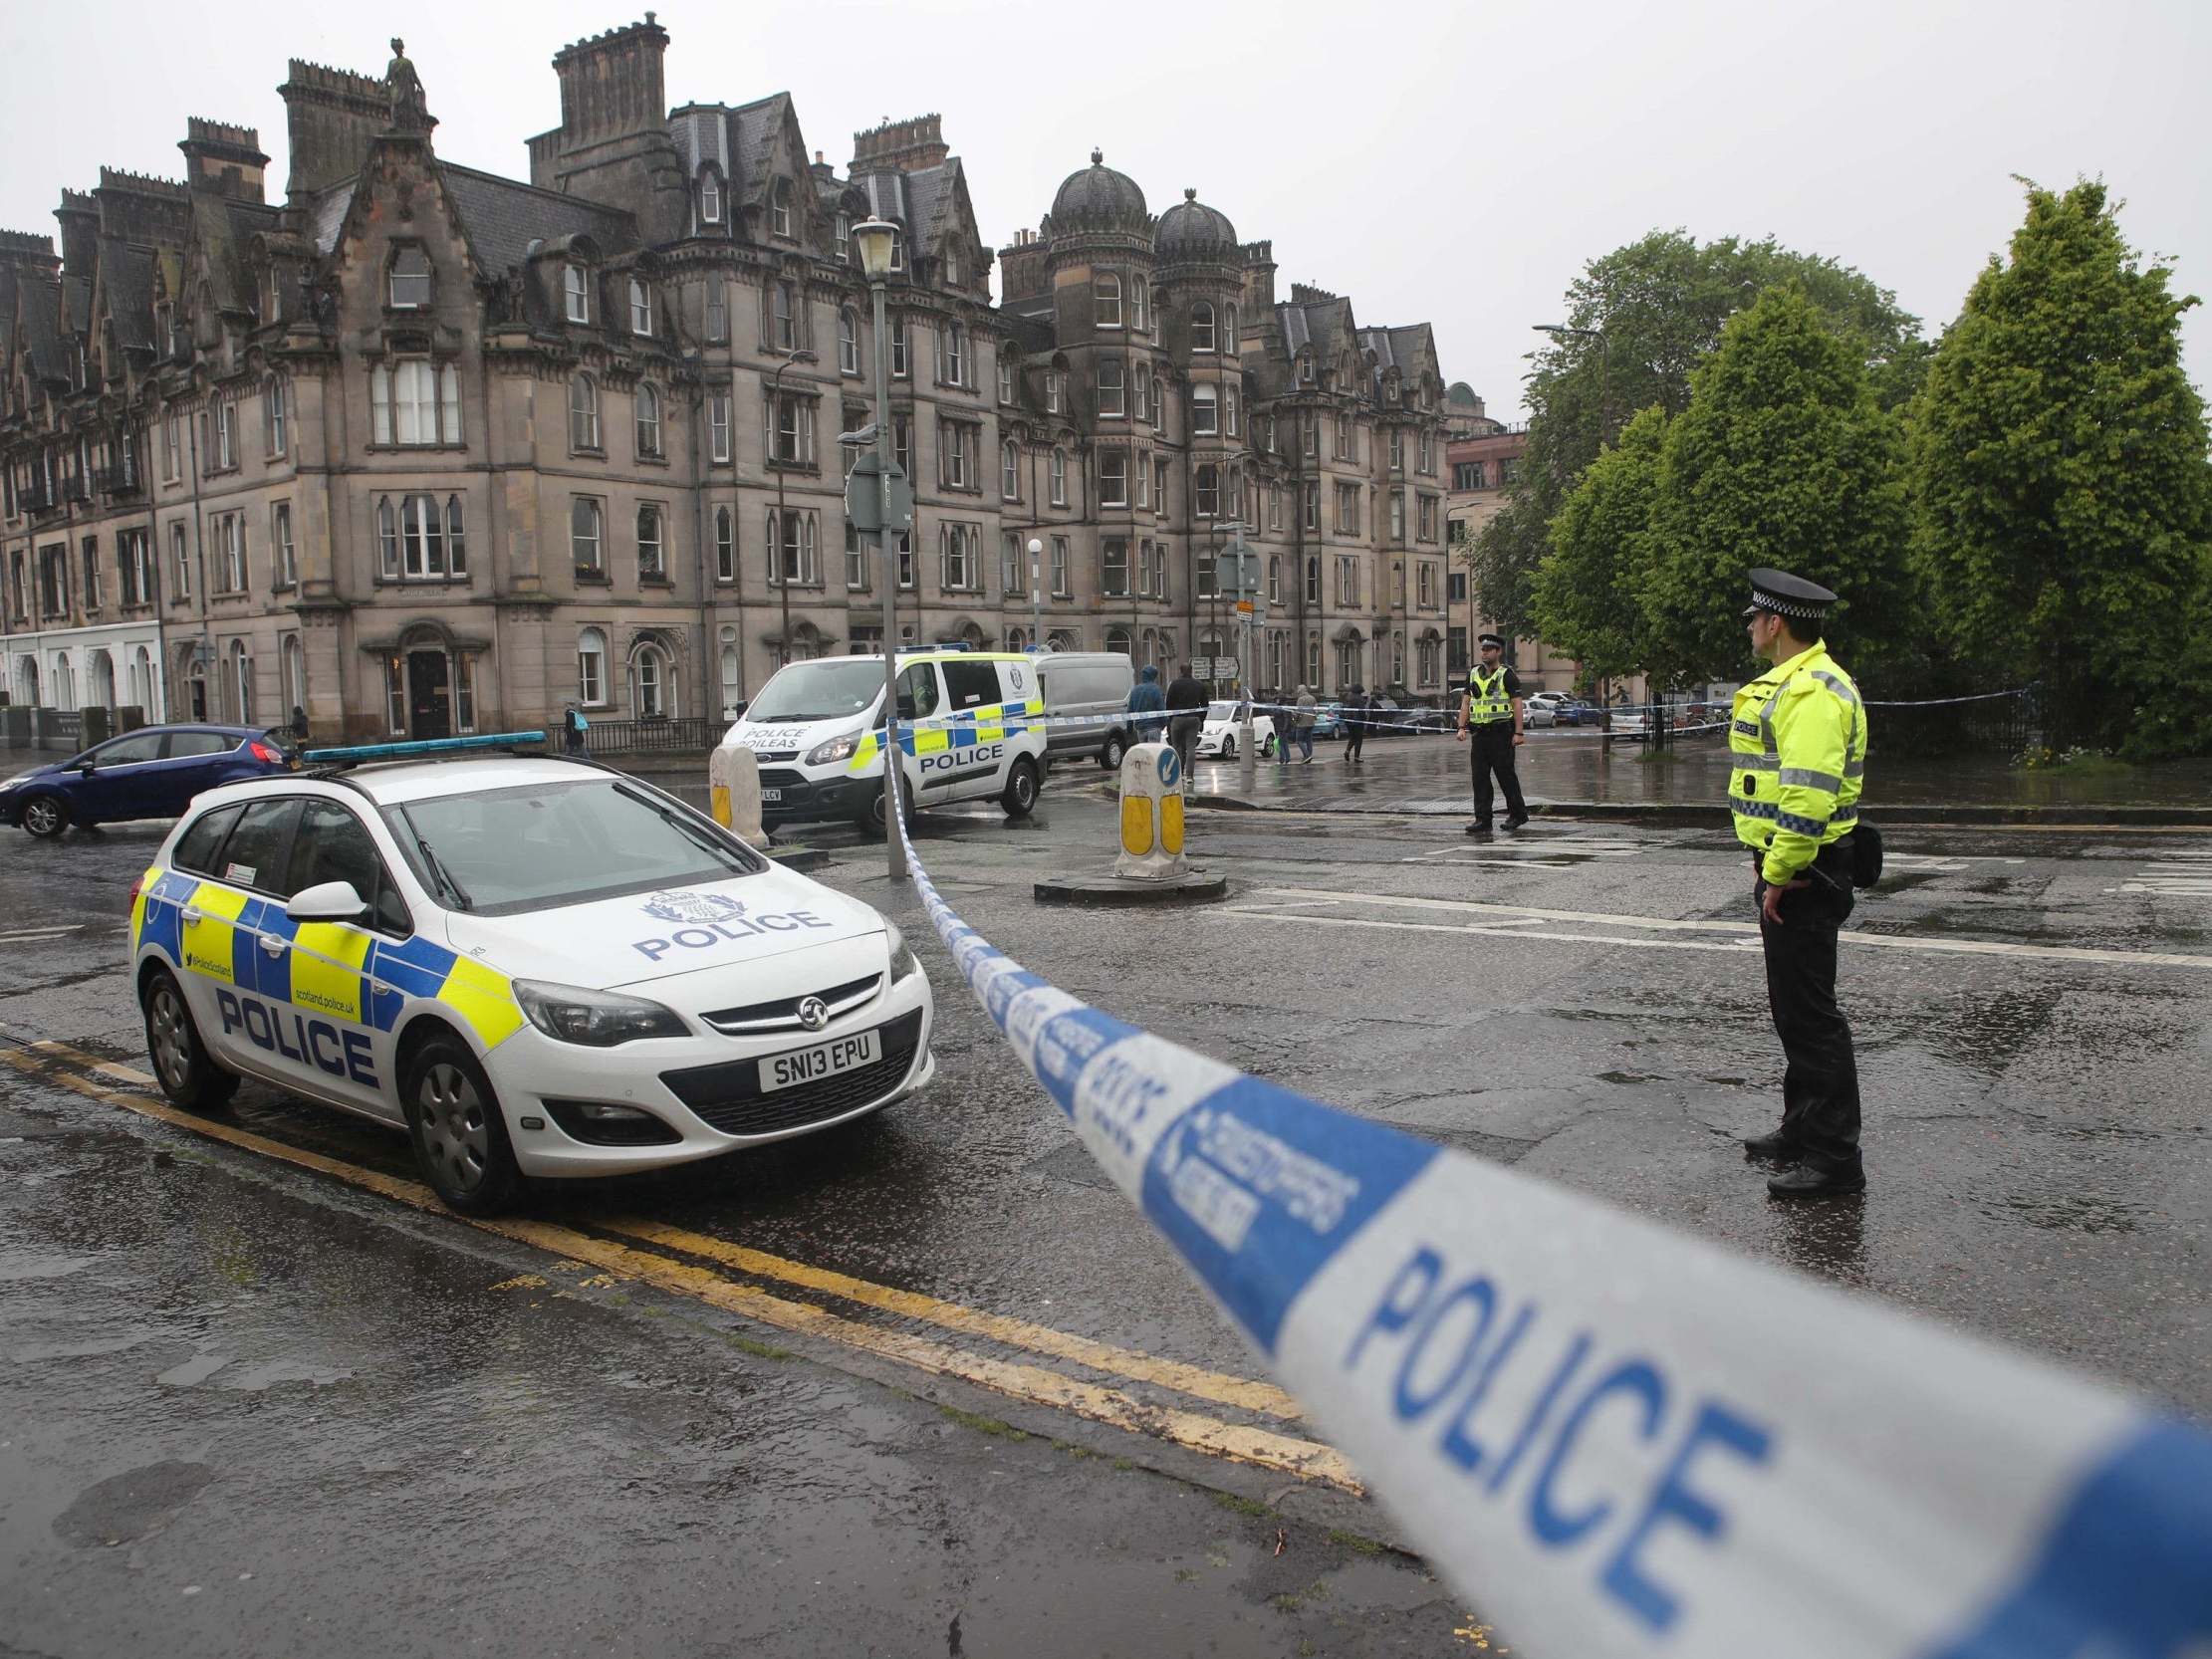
x=691, y=831
x=438, y=873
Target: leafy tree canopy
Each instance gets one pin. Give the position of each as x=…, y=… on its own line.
x=1584, y=590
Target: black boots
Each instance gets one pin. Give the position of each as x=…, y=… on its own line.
x=1806, y=1182
x=1776, y=1148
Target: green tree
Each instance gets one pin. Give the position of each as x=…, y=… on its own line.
x=2064, y=492
x=1782, y=458
x=1662, y=303
x=1585, y=591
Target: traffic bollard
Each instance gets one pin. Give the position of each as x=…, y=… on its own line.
x=1152, y=814
x=733, y=789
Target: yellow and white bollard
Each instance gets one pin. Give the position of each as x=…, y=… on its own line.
x=733, y=793
x=1152, y=814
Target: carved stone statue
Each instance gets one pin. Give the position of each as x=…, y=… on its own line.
x=410, y=110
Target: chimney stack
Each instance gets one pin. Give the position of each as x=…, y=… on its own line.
x=222, y=158
x=906, y=146
x=331, y=116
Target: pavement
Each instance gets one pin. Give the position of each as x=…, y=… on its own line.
x=930, y=1385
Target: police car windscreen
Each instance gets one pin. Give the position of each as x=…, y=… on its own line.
x=822, y=690
x=542, y=844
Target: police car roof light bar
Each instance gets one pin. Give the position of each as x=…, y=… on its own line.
x=421, y=749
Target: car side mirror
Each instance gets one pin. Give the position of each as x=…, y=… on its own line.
x=88, y=769
x=331, y=902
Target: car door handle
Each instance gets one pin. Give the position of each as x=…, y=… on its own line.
x=273, y=945
x=192, y=917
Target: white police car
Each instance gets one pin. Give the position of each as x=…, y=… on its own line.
x=967, y=732
x=533, y=964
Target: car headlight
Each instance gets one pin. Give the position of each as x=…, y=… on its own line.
x=836, y=749
x=903, y=962
x=597, y=1019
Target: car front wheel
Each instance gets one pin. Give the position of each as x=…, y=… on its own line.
x=46, y=816
x=187, y=1074
x=1020, y=796
x=1111, y=756
x=459, y=1134
x=1228, y=748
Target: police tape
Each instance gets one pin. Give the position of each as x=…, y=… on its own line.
x=1616, y=1439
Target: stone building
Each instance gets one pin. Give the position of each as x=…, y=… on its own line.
x=420, y=449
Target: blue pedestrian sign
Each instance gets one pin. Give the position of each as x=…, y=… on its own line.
x=1170, y=768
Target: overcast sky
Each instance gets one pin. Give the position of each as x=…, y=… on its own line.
x=1453, y=163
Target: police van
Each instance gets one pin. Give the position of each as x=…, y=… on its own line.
x=967, y=732
x=532, y=965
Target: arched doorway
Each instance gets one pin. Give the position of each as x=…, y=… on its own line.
x=100, y=679
x=65, y=683
x=652, y=679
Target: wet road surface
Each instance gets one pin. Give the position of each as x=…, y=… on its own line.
x=774, y=1404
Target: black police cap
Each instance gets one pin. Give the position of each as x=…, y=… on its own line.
x=1787, y=596
x=1490, y=639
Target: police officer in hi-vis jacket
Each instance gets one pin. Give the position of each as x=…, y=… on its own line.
x=1798, y=743
x=1491, y=712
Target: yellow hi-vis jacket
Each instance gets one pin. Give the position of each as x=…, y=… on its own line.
x=1487, y=700
x=1798, y=737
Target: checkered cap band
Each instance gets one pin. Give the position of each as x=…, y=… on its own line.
x=1804, y=609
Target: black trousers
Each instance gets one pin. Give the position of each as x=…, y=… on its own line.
x=1491, y=747
x=1355, y=738
x=1820, y=1083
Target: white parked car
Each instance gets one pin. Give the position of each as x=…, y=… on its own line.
x=1223, y=731
x=533, y=966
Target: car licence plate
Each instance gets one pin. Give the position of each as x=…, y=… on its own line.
x=823, y=1060
x=771, y=795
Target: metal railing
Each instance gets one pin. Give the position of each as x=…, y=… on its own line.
x=628, y=737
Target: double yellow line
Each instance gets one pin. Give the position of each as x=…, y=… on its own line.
x=1101, y=1402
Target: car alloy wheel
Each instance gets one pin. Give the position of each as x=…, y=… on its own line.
x=44, y=815
x=169, y=1035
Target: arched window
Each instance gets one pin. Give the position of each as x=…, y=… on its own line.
x=1205, y=411
x=295, y=673
x=65, y=682
x=778, y=208
x=410, y=280
x=576, y=290
x=710, y=198
x=584, y=412
x=1009, y=472
x=1105, y=298
x=1060, y=478
x=141, y=682
x=653, y=686
x=590, y=668
x=585, y=539
x=1202, y=327
x=649, y=421
x=1016, y=640
x=732, y=687
x=1118, y=640
x=653, y=555
x=848, y=341
x=640, y=308
x=241, y=679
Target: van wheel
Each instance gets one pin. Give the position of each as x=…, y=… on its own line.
x=183, y=1065
x=1111, y=756
x=872, y=820
x=1020, y=797
x=458, y=1131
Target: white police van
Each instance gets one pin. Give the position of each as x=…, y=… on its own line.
x=533, y=964
x=967, y=732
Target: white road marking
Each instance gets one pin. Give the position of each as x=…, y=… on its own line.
x=2173, y=881
x=1746, y=933
x=1942, y=862
x=40, y=934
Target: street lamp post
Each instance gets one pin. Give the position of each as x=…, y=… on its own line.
x=875, y=238
x=1036, y=596
x=783, y=522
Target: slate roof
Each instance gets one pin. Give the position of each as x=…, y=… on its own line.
x=39, y=304
x=502, y=218
x=754, y=127
x=1190, y=230
x=127, y=283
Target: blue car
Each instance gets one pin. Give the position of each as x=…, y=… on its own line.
x=153, y=772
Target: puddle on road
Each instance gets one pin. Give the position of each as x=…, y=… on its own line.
x=2075, y=1214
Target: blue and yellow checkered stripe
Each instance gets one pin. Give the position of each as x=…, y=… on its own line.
x=335, y=970
x=988, y=724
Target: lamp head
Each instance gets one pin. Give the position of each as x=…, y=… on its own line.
x=1034, y=547
x=874, y=237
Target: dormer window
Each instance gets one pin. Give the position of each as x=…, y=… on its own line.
x=898, y=250
x=710, y=200
x=272, y=294
x=778, y=208
x=640, y=308
x=576, y=292
x=952, y=266
x=842, y=230
x=410, y=280
x=1305, y=371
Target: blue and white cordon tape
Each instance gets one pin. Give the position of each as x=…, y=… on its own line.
x=1616, y=1439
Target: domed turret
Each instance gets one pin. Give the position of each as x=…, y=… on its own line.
x=1191, y=231
x=1098, y=201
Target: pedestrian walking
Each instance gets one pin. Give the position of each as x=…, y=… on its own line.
x=1798, y=740
x=1356, y=705
x=299, y=724
x=1186, y=710
x=1147, y=700
x=573, y=728
x=1302, y=723
x=1491, y=715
